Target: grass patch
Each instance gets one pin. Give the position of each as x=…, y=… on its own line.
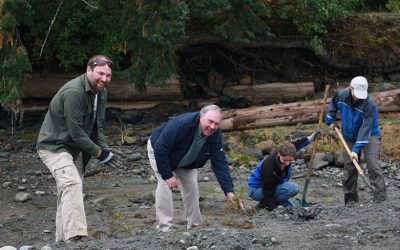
x=241, y=157
x=208, y=190
x=118, y=225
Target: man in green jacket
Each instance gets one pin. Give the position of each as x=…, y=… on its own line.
x=71, y=133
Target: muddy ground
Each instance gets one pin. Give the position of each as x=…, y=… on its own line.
x=121, y=214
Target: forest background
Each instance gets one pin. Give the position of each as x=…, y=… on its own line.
x=151, y=40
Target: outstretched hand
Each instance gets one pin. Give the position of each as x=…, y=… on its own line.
x=314, y=136
x=112, y=158
x=239, y=205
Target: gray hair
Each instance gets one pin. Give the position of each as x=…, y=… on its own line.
x=207, y=108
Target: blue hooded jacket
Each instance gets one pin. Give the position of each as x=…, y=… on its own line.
x=173, y=139
x=359, y=119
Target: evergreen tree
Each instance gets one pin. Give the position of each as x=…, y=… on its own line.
x=14, y=61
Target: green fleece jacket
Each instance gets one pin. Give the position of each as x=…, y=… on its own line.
x=70, y=125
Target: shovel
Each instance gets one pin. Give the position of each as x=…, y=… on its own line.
x=310, y=164
x=360, y=172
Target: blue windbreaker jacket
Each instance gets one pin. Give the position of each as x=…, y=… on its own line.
x=359, y=119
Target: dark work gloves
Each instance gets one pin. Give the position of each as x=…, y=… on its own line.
x=267, y=204
x=111, y=159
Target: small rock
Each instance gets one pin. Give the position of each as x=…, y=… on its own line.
x=21, y=188
x=22, y=197
x=46, y=248
x=134, y=157
x=26, y=247
x=8, y=248
x=40, y=193
x=192, y=248
x=6, y=184
x=332, y=225
x=4, y=155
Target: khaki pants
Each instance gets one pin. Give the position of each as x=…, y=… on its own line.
x=164, y=204
x=70, y=217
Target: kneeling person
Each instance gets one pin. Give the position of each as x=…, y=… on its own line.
x=269, y=183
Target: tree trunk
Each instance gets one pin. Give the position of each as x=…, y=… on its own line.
x=293, y=113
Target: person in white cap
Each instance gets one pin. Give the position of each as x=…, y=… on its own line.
x=360, y=128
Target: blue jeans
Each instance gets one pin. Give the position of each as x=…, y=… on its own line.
x=283, y=193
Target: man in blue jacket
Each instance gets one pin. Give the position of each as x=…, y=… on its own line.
x=176, y=149
x=359, y=116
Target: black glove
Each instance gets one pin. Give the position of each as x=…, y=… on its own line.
x=314, y=136
x=108, y=158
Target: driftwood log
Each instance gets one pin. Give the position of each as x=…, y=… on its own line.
x=45, y=86
x=39, y=89
x=293, y=113
x=274, y=91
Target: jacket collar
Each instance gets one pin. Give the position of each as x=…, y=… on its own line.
x=87, y=85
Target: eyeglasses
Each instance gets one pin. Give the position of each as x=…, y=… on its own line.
x=101, y=63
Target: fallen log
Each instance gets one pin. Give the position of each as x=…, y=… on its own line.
x=45, y=86
x=293, y=113
x=274, y=92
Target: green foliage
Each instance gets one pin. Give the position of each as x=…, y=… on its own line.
x=314, y=17
x=243, y=21
x=317, y=45
x=393, y=5
x=78, y=32
x=154, y=31
x=8, y=22
x=143, y=37
x=207, y=9
x=14, y=66
x=14, y=61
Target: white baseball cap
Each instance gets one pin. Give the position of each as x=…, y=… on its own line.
x=360, y=87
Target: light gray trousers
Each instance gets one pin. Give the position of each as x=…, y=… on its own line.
x=164, y=204
x=371, y=155
x=68, y=174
